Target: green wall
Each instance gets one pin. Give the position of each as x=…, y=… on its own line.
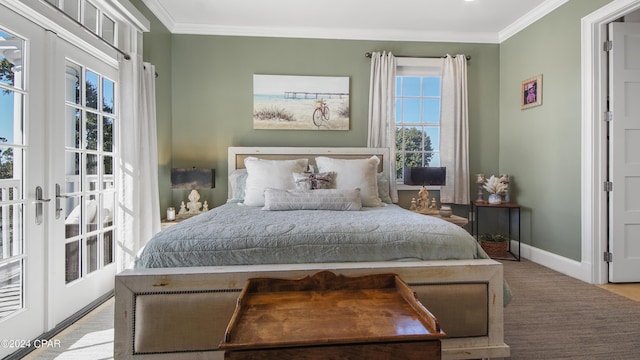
x=212, y=95
x=540, y=146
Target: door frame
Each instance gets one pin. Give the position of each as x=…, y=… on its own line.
x=593, y=134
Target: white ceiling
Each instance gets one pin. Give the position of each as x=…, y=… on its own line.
x=480, y=21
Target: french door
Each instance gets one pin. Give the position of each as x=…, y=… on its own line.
x=82, y=186
x=58, y=124
x=22, y=169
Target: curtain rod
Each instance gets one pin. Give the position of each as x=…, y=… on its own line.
x=368, y=54
x=124, y=54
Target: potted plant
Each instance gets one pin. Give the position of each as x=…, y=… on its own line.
x=495, y=245
x=496, y=188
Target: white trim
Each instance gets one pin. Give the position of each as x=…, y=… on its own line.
x=529, y=18
x=594, y=236
x=563, y=265
x=333, y=33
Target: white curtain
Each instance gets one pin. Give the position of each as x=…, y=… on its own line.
x=382, y=128
x=454, y=130
x=139, y=211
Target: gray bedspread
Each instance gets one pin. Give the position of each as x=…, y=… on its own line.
x=233, y=234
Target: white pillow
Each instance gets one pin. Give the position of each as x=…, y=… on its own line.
x=262, y=174
x=320, y=199
x=237, y=185
x=355, y=173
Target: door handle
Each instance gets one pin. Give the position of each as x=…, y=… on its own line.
x=58, y=197
x=39, y=201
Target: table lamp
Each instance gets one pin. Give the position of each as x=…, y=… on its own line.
x=193, y=179
x=425, y=176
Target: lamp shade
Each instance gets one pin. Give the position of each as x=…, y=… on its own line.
x=430, y=175
x=193, y=178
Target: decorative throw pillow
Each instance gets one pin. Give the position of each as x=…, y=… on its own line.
x=321, y=199
x=313, y=181
x=354, y=173
x=262, y=174
x=237, y=185
x=383, y=189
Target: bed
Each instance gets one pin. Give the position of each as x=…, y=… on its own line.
x=176, y=300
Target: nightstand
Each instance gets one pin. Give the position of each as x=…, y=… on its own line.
x=458, y=220
x=164, y=223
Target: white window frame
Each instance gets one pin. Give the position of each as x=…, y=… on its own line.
x=417, y=67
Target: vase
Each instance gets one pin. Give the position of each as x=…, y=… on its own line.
x=445, y=211
x=495, y=199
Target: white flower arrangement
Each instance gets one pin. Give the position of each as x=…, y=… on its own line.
x=494, y=186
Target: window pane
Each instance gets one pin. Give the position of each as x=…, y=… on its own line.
x=73, y=212
x=398, y=86
x=411, y=111
x=7, y=161
x=432, y=139
x=411, y=86
x=11, y=287
x=91, y=212
x=108, y=172
x=11, y=105
x=72, y=8
x=413, y=138
x=11, y=54
x=107, y=255
x=73, y=84
x=72, y=261
x=92, y=131
x=92, y=90
x=92, y=171
x=92, y=251
x=431, y=111
x=73, y=127
x=431, y=86
x=433, y=159
x=90, y=17
x=107, y=96
x=72, y=172
x=107, y=134
x=108, y=29
x=11, y=234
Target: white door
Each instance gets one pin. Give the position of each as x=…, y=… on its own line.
x=624, y=152
x=22, y=169
x=82, y=167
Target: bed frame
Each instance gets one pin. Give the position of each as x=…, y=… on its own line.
x=182, y=313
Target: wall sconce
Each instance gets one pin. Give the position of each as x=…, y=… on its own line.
x=193, y=179
x=425, y=176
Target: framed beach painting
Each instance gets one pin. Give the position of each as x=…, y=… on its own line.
x=531, y=92
x=292, y=102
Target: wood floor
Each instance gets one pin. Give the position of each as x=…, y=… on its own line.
x=631, y=290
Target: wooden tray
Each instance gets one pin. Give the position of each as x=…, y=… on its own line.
x=328, y=309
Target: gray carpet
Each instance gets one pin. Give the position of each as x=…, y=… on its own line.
x=551, y=316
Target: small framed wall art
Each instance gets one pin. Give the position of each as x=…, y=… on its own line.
x=531, y=92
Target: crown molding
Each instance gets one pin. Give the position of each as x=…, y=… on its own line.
x=161, y=13
x=336, y=33
x=529, y=18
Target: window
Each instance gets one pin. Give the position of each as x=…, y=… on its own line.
x=93, y=18
x=417, y=106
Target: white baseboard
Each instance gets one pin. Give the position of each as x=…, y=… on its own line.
x=563, y=265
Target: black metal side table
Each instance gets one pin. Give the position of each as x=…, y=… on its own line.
x=512, y=209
